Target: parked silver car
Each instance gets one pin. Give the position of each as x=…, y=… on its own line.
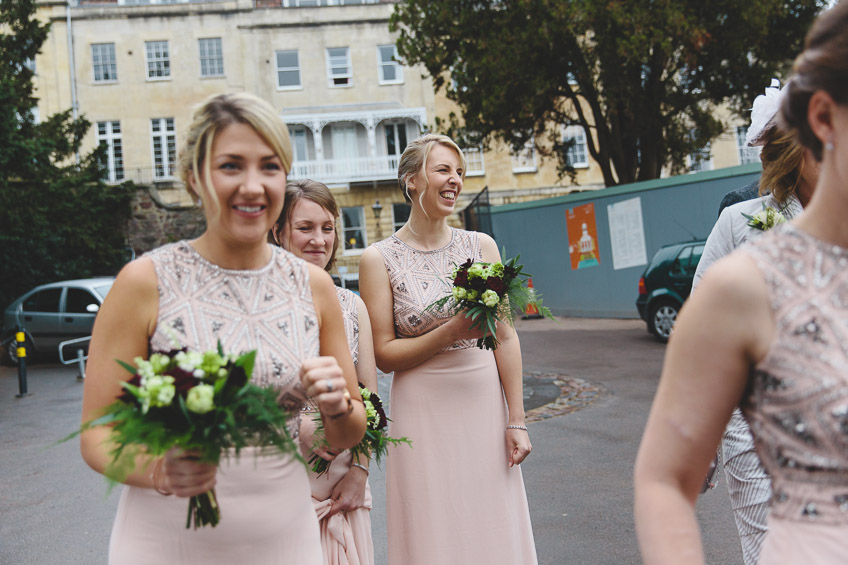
x=52, y=313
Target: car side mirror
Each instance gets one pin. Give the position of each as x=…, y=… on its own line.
x=92, y=308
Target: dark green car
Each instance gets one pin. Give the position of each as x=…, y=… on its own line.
x=666, y=284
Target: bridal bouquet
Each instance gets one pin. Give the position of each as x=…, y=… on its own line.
x=375, y=441
x=200, y=402
x=490, y=293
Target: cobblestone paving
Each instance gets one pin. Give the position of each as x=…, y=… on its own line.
x=574, y=394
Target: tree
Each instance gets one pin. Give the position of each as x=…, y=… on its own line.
x=59, y=220
x=642, y=77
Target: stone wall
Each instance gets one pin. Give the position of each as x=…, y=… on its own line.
x=154, y=223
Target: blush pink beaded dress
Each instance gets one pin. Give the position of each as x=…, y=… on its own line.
x=266, y=511
x=797, y=398
x=452, y=499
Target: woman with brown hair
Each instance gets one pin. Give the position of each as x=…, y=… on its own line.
x=789, y=177
x=341, y=496
x=767, y=329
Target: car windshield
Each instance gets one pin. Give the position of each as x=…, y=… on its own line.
x=102, y=290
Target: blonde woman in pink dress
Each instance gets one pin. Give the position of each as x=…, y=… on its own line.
x=457, y=495
x=767, y=328
x=342, y=496
x=228, y=285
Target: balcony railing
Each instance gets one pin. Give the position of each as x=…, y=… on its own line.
x=383, y=167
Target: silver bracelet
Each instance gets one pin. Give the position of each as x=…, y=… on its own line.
x=363, y=467
x=516, y=427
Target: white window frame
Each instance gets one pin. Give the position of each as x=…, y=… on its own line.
x=396, y=224
x=111, y=64
x=697, y=162
x=298, y=131
x=333, y=63
x=474, y=158
x=159, y=61
x=362, y=227
x=213, y=60
x=114, y=149
x=168, y=140
x=525, y=161
x=746, y=154
x=278, y=69
x=578, y=134
x=391, y=63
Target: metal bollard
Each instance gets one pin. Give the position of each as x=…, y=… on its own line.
x=20, y=339
x=81, y=363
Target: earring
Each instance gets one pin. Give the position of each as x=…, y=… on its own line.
x=828, y=145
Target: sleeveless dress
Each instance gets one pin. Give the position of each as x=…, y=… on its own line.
x=346, y=536
x=797, y=398
x=451, y=497
x=266, y=512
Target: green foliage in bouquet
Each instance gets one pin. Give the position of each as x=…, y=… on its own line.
x=375, y=443
x=490, y=293
x=202, y=403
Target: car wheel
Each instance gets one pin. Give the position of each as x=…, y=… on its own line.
x=661, y=319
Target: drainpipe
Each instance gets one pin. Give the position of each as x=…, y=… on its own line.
x=72, y=65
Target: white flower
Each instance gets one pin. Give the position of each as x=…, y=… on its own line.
x=490, y=298
x=188, y=361
x=200, y=399
x=157, y=391
x=459, y=293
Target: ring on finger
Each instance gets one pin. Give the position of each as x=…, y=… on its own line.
x=329, y=385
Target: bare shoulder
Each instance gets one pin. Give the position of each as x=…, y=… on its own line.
x=488, y=247
x=319, y=279
x=137, y=278
x=733, y=296
x=371, y=257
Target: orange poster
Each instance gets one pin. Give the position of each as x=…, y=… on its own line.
x=582, y=236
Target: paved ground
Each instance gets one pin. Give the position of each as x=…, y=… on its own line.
x=589, y=385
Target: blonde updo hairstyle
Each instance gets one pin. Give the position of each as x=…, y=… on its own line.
x=823, y=65
x=210, y=118
x=318, y=193
x=414, y=159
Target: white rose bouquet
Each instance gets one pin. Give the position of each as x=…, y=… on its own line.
x=490, y=293
x=200, y=402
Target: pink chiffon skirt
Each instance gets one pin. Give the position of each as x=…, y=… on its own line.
x=451, y=497
x=345, y=536
x=266, y=517
x=789, y=542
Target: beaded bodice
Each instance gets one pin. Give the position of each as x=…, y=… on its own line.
x=797, y=398
x=269, y=309
x=350, y=315
x=419, y=278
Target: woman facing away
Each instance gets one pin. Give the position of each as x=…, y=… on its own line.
x=457, y=496
x=789, y=177
x=342, y=497
x=781, y=305
x=235, y=160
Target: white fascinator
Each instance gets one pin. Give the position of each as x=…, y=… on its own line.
x=763, y=112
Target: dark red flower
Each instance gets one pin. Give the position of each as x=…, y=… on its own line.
x=461, y=278
x=496, y=284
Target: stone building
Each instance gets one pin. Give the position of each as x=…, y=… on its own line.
x=136, y=68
